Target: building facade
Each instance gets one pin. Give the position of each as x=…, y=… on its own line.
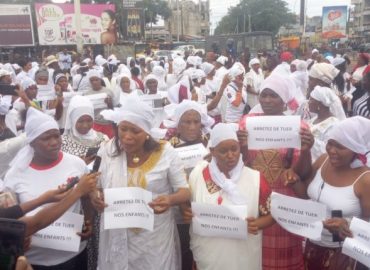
x=361, y=20
x=189, y=20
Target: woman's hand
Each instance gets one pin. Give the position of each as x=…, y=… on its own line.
x=89, y=159
x=161, y=204
x=54, y=195
x=252, y=225
x=242, y=138
x=187, y=214
x=338, y=226
x=87, y=183
x=22, y=264
x=290, y=177
x=307, y=139
x=87, y=230
x=97, y=200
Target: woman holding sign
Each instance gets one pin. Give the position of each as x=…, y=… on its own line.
x=192, y=125
x=281, y=249
x=340, y=179
x=226, y=182
x=134, y=159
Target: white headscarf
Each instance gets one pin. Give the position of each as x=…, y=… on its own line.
x=93, y=73
x=324, y=72
x=79, y=106
x=236, y=70
x=219, y=133
x=176, y=111
x=37, y=123
x=300, y=76
x=192, y=60
x=253, y=62
x=207, y=67
x=222, y=60
x=179, y=65
x=160, y=73
x=354, y=133
x=329, y=99
x=285, y=88
x=100, y=61
x=174, y=91
x=27, y=82
x=133, y=110
x=118, y=89
x=198, y=75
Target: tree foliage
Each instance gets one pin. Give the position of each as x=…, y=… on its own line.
x=265, y=15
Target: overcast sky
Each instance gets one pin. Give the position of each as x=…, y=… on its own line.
x=314, y=7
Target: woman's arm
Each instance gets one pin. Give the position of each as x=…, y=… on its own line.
x=213, y=104
x=303, y=167
x=162, y=203
x=260, y=223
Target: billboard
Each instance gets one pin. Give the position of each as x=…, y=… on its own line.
x=334, y=22
x=133, y=24
x=56, y=24
x=16, y=25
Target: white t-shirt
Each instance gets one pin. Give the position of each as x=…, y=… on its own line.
x=233, y=113
x=31, y=183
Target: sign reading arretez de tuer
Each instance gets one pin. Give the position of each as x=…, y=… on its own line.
x=130, y=3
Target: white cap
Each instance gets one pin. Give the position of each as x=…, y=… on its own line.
x=222, y=132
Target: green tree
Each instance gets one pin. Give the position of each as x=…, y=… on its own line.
x=265, y=15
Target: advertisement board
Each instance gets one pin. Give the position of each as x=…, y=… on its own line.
x=334, y=22
x=56, y=24
x=16, y=25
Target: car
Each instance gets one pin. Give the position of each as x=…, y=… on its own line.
x=180, y=50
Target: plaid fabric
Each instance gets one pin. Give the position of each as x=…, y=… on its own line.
x=322, y=258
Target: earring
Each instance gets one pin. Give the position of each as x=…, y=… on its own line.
x=147, y=137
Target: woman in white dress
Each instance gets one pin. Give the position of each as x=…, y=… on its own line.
x=226, y=181
x=329, y=110
x=134, y=159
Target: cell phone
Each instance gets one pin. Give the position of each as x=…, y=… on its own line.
x=8, y=90
x=336, y=214
x=72, y=182
x=96, y=165
x=12, y=234
x=92, y=151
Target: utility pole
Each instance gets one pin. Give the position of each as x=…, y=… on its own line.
x=249, y=23
x=79, y=40
x=178, y=23
x=244, y=17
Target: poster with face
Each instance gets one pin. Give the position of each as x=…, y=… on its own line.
x=56, y=24
x=334, y=22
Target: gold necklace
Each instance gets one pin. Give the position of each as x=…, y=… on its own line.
x=135, y=159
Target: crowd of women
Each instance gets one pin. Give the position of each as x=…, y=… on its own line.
x=137, y=117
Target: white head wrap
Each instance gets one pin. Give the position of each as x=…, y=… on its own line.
x=222, y=60
x=315, y=51
x=4, y=105
x=79, y=106
x=198, y=75
x=37, y=123
x=123, y=69
x=324, y=72
x=160, y=73
x=174, y=91
x=112, y=57
x=236, y=70
x=354, y=133
x=192, y=60
x=101, y=61
x=285, y=88
x=86, y=61
x=207, y=67
x=93, y=73
x=219, y=133
x=329, y=99
x=179, y=65
x=4, y=72
x=300, y=76
x=128, y=61
x=27, y=82
x=254, y=61
x=133, y=110
x=176, y=111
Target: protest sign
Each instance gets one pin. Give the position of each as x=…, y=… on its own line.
x=45, y=93
x=128, y=208
x=358, y=247
x=192, y=154
x=62, y=234
x=301, y=217
x=98, y=100
x=226, y=221
x=154, y=101
x=273, y=132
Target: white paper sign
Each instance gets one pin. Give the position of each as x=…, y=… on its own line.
x=358, y=247
x=301, y=217
x=154, y=101
x=192, y=154
x=98, y=100
x=62, y=234
x=128, y=208
x=67, y=96
x=226, y=221
x=272, y=132
x=45, y=93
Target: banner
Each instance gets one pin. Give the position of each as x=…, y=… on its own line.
x=61, y=234
x=301, y=217
x=128, y=208
x=16, y=25
x=358, y=247
x=272, y=132
x=133, y=24
x=334, y=22
x=227, y=221
x=56, y=24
